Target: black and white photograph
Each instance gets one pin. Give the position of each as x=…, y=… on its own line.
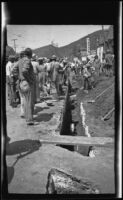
x=59, y=135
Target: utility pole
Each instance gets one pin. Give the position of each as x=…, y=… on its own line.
x=88, y=46
x=14, y=44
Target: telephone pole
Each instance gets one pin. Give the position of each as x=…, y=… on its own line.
x=14, y=44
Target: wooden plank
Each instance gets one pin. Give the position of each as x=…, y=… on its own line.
x=76, y=140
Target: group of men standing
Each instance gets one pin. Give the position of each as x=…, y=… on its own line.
x=29, y=76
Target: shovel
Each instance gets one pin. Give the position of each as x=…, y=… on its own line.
x=94, y=100
x=105, y=117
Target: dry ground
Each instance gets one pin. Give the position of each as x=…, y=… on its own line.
x=28, y=173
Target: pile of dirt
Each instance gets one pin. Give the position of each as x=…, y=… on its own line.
x=95, y=111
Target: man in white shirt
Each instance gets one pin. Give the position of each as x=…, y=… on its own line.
x=9, y=67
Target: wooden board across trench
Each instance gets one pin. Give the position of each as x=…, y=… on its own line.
x=76, y=140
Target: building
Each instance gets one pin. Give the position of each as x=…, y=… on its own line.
x=105, y=42
x=110, y=39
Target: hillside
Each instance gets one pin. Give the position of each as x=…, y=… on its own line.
x=47, y=51
x=71, y=49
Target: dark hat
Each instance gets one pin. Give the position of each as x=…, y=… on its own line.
x=22, y=53
x=16, y=57
x=11, y=58
x=28, y=52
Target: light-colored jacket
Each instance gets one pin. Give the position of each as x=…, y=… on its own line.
x=9, y=68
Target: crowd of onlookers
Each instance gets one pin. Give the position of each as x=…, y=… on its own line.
x=30, y=77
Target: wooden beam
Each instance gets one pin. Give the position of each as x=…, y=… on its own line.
x=76, y=140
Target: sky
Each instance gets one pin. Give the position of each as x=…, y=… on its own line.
x=35, y=36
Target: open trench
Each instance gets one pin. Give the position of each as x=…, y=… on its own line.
x=73, y=123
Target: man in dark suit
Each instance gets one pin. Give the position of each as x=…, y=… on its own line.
x=26, y=76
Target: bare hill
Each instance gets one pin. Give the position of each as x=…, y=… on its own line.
x=71, y=49
x=47, y=51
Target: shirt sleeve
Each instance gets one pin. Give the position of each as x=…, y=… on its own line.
x=7, y=69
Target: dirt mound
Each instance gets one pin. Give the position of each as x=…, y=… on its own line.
x=95, y=111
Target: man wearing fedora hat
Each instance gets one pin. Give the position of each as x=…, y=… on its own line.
x=26, y=76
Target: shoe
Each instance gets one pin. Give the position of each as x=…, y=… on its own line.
x=32, y=123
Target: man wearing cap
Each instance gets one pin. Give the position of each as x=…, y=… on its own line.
x=91, y=71
x=65, y=72
x=42, y=74
x=96, y=65
x=22, y=53
x=56, y=78
x=26, y=78
x=16, y=80
x=86, y=76
x=35, y=65
x=48, y=75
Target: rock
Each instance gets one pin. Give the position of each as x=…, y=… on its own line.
x=61, y=183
